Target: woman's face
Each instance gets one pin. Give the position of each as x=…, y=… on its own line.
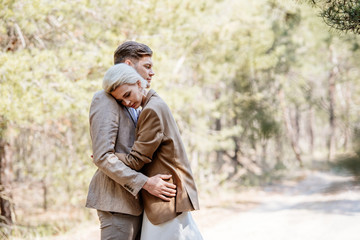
x=129, y=95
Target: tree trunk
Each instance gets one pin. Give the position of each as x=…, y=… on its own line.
x=347, y=127
x=5, y=170
x=264, y=144
x=279, y=152
x=311, y=130
x=45, y=192
x=5, y=195
x=219, y=161
x=331, y=99
x=219, y=153
x=235, y=158
x=297, y=123
x=289, y=129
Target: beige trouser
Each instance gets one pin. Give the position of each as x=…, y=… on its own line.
x=119, y=226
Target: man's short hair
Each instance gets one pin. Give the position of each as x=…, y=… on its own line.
x=131, y=50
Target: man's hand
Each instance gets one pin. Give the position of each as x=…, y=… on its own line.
x=159, y=188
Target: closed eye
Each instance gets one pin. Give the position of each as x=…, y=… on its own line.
x=127, y=94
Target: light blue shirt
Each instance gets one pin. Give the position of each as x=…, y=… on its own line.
x=134, y=114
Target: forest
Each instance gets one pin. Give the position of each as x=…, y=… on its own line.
x=257, y=88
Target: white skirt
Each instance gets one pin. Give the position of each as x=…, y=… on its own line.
x=183, y=227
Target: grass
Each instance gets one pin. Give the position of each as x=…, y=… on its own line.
x=43, y=224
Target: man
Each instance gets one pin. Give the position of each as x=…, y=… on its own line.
x=114, y=188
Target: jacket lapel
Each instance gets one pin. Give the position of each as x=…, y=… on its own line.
x=148, y=96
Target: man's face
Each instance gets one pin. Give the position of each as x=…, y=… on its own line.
x=144, y=67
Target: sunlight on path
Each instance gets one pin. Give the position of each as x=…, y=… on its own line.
x=323, y=206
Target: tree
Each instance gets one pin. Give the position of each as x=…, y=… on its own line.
x=343, y=15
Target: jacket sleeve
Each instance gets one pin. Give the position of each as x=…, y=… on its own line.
x=104, y=126
x=148, y=138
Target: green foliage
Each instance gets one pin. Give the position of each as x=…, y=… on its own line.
x=343, y=15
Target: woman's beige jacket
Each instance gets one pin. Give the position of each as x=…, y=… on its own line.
x=158, y=149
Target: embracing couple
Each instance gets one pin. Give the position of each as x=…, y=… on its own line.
x=143, y=187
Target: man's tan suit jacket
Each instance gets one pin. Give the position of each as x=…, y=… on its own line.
x=115, y=186
x=159, y=149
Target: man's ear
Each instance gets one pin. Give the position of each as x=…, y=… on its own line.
x=129, y=62
x=139, y=83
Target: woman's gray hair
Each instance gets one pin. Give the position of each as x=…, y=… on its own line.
x=121, y=74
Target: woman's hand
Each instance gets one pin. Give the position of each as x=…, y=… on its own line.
x=160, y=188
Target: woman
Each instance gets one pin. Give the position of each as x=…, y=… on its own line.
x=158, y=149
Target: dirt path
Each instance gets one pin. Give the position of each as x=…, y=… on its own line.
x=322, y=206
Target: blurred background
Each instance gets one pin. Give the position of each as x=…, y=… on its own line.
x=261, y=90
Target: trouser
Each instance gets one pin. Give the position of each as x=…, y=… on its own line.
x=119, y=226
